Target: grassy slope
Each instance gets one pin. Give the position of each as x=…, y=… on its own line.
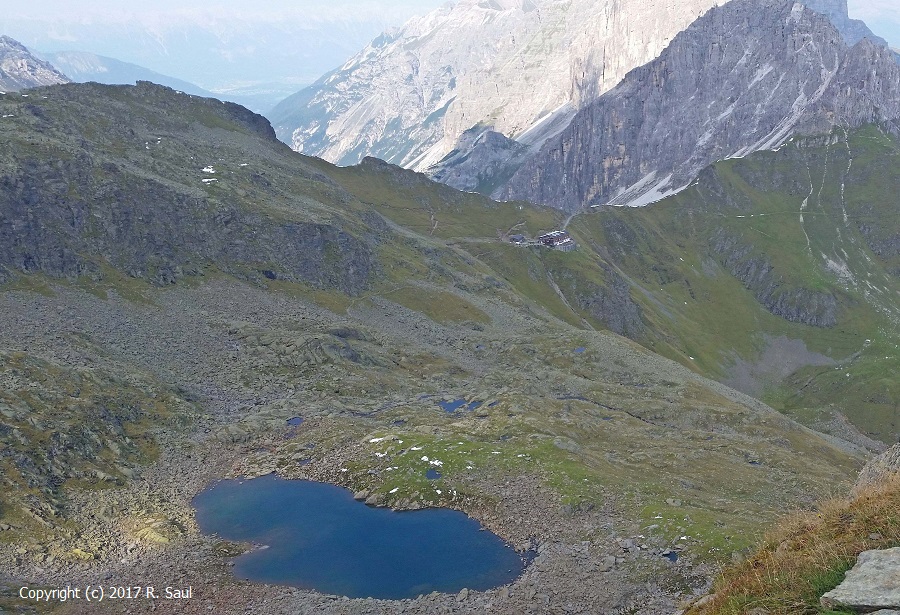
x=807, y=554
x=696, y=312
x=704, y=317
x=440, y=256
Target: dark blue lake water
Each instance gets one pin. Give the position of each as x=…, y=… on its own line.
x=320, y=538
x=452, y=405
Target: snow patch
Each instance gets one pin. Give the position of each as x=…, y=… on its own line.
x=646, y=193
x=548, y=126
x=840, y=269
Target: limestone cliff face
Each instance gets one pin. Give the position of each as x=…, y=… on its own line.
x=744, y=77
x=508, y=64
x=19, y=69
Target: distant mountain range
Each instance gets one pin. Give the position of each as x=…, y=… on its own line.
x=262, y=53
x=493, y=117
x=745, y=77
x=521, y=67
x=20, y=69
x=82, y=66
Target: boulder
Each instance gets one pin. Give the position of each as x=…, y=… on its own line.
x=872, y=584
x=878, y=469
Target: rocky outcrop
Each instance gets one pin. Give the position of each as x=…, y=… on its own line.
x=60, y=423
x=796, y=304
x=872, y=584
x=613, y=306
x=482, y=160
x=73, y=212
x=410, y=94
x=744, y=77
x=20, y=69
x=150, y=230
x=878, y=469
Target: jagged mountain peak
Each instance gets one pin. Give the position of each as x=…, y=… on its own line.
x=853, y=30
x=409, y=95
x=9, y=43
x=20, y=69
x=745, y=77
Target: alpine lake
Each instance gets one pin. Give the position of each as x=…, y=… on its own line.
x=316, y=536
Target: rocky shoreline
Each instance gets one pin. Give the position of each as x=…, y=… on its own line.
x=566, y=575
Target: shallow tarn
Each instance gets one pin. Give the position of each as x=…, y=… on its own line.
x=316, y=536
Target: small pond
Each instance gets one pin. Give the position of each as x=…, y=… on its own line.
x=317, y=536
x=452, y=405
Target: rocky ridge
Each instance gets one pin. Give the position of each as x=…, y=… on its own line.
x=756, y=272
x=511, y=65
x=486, y=163
x=745, y=77
x=20, y=69
x=853, y=30
x=162, y=225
